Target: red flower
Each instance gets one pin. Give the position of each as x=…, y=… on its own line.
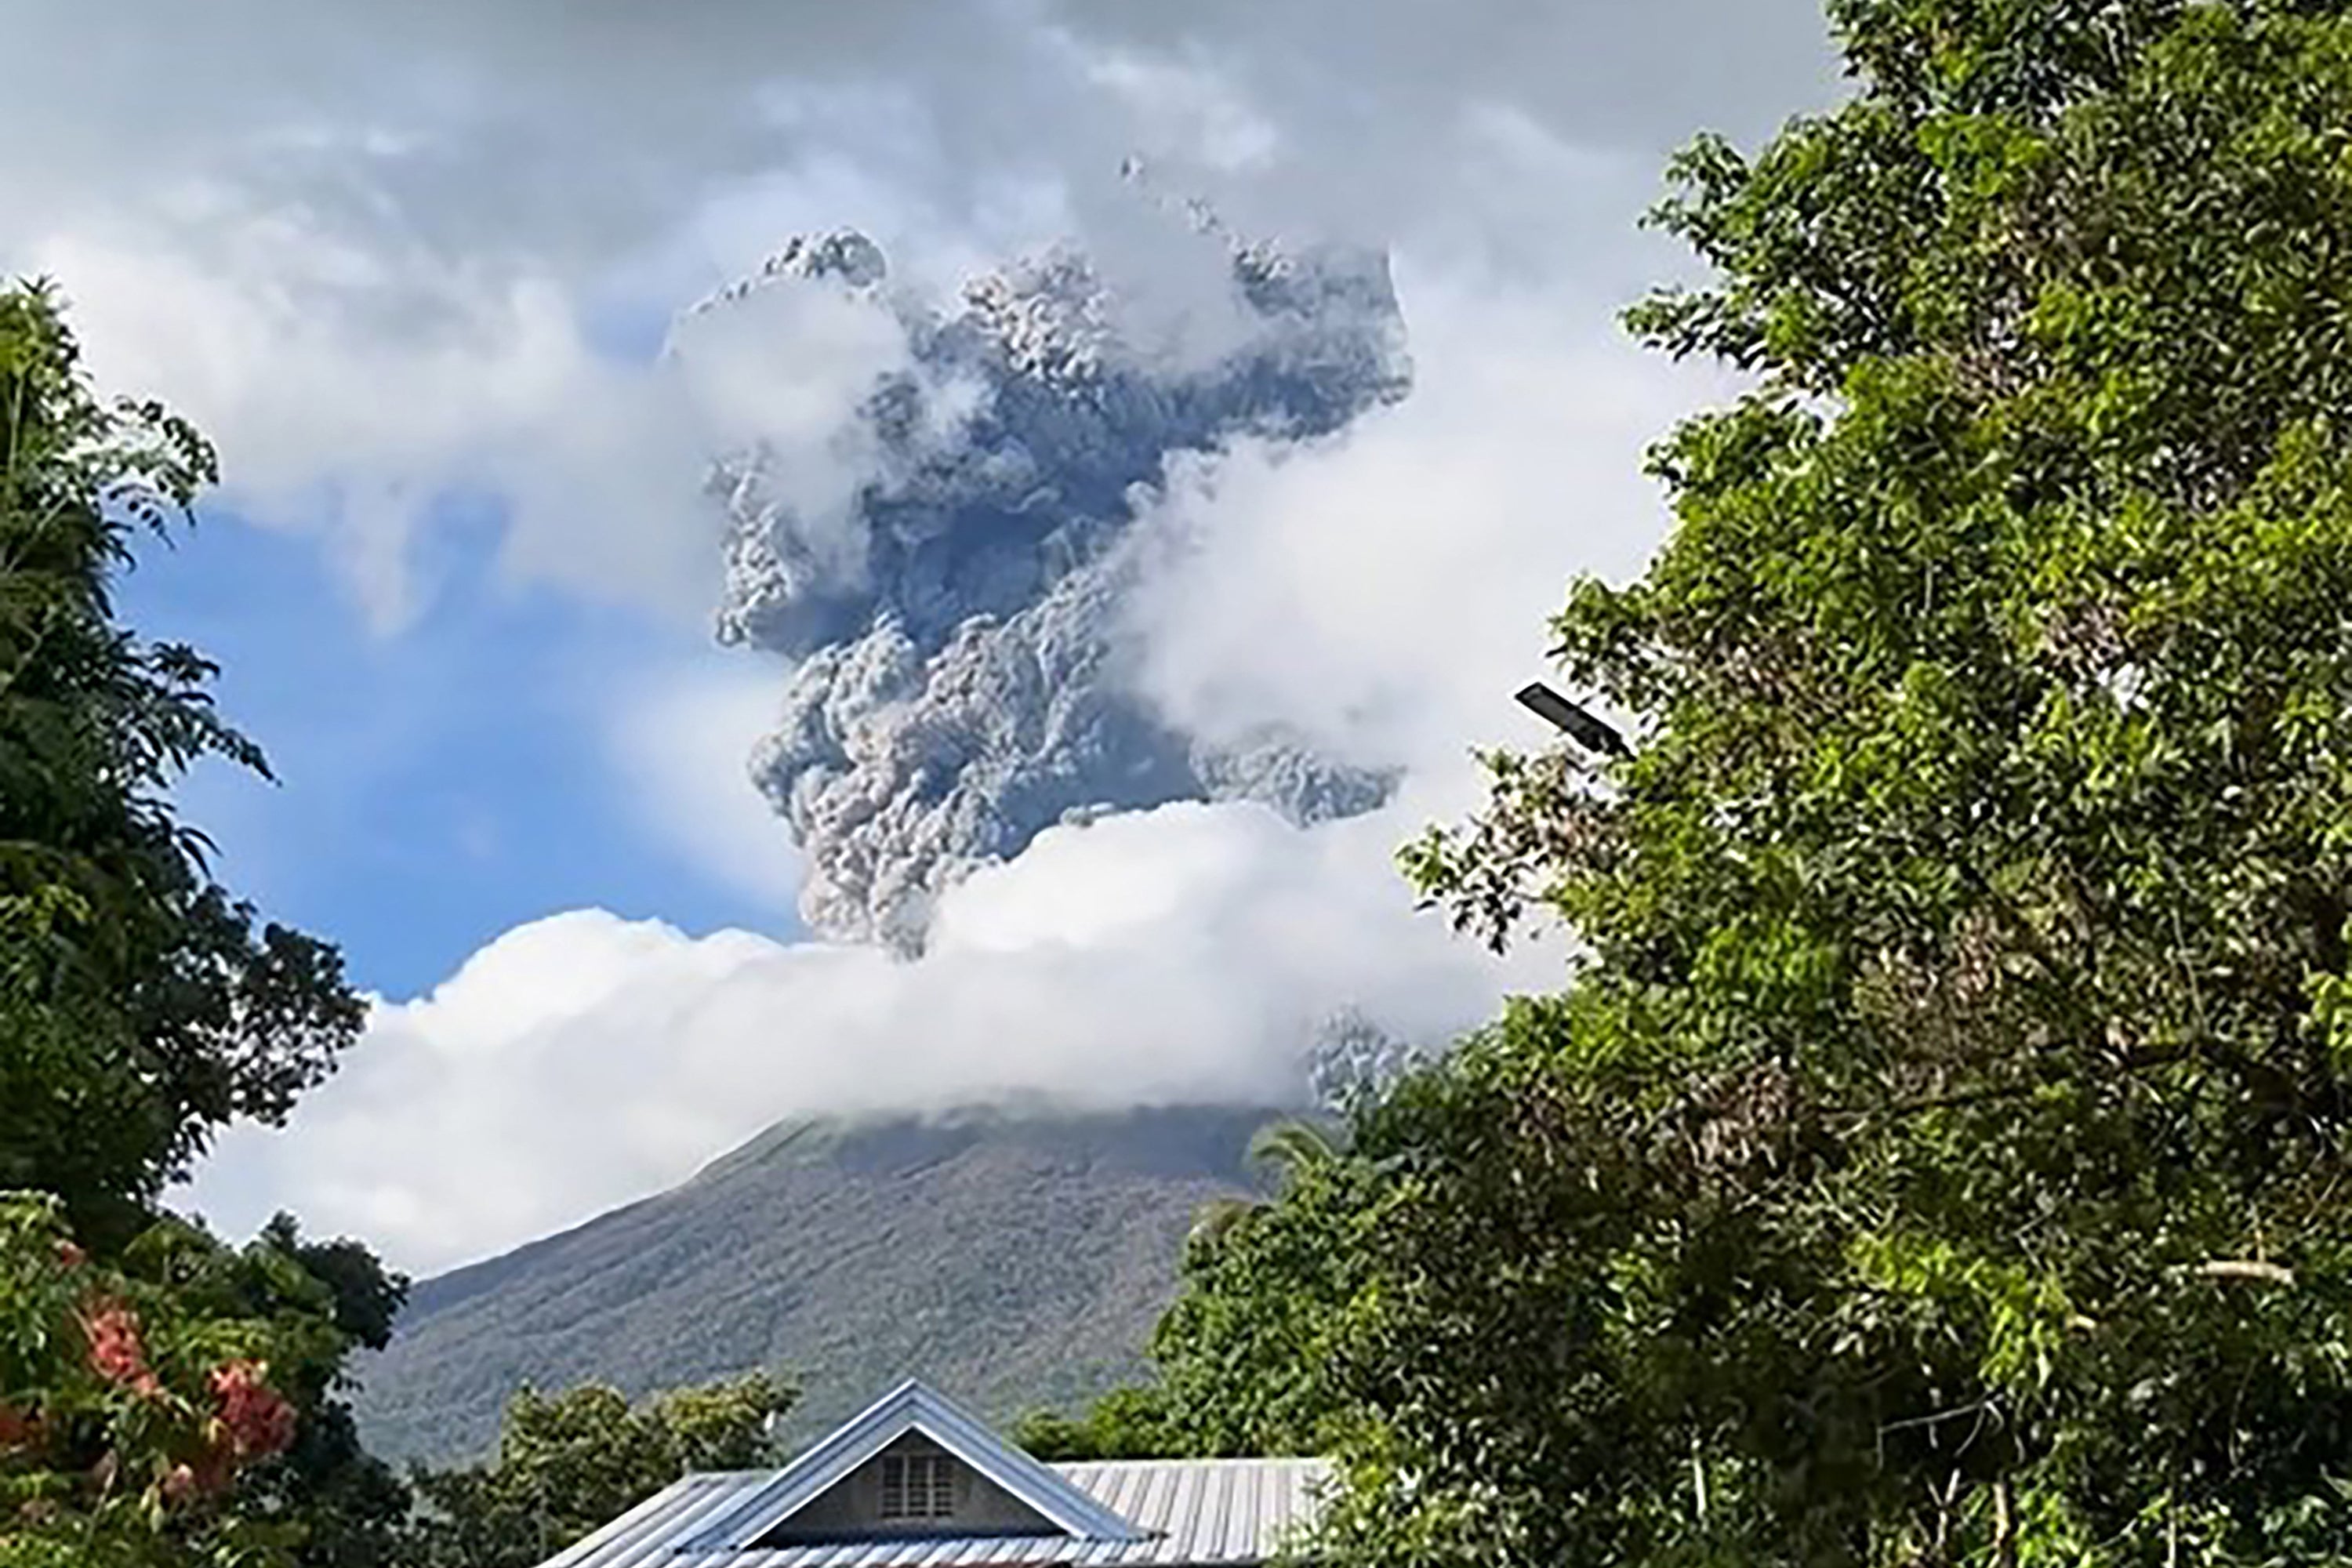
x=115, y=1352
x=69, y=1255
x=178, y=1484
x=259, y=1421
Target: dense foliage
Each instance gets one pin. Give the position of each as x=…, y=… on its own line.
x=162, y=1398
x=135, y=1402
x=1938, y=1152
x=179, y=1402
x=350, y=1504
x=140, y=1005
x=568, y=1465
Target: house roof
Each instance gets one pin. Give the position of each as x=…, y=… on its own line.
x=1186, y=1513
x=911, y=1408
x=1169, y=1513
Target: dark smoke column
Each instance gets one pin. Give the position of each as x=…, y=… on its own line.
x=954, y=692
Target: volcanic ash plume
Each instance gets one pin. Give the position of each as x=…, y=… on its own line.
x=949, y=616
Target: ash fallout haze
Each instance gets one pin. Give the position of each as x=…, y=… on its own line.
x=801, y=558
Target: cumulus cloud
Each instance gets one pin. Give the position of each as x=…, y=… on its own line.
x=1174, y=957
x=353, y=427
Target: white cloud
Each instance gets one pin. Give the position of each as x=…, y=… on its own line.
x=486, y=382
x=1186, y=106
x=1387, y=590
x=355, y=241
x=368, y=247
x=682, y=737
x=579, y=1061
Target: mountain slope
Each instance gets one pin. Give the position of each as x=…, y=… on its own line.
x=1012, y=1260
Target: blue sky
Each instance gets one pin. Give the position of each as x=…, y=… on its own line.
x=409, y=266
x=438, y=785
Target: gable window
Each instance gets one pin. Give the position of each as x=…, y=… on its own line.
x=918, y=1486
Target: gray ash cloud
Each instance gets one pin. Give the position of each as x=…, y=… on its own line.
x=956, y=683
x=1351, y=1059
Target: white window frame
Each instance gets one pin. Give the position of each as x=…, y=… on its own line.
x=918, y=1486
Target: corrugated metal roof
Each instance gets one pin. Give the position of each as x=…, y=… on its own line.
x=912, y=1407
x=1193, y=1513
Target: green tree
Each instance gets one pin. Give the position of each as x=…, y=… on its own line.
x=1124, y=1423
x=142, y=1005
x=571, y=1463
x=114, y=1428
x=1281, y=1151
x=350, y=1506
x=135, y=1400
x=1936, y=1153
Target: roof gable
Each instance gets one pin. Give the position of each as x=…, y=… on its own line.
x=912, y=1407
